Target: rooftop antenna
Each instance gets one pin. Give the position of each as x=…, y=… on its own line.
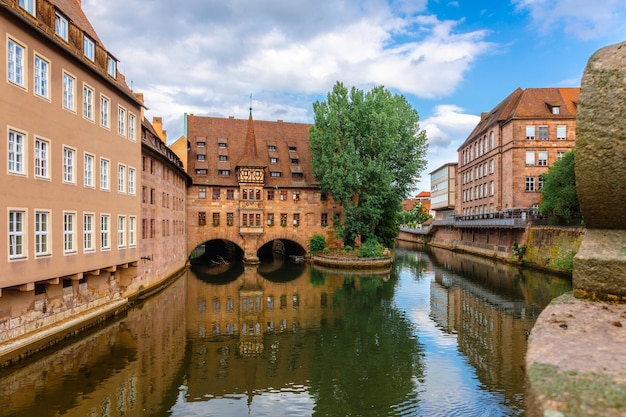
x=250, y=104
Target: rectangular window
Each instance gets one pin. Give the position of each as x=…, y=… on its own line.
x=61, y=27
x=88, y=48
x=283, y=219
x=201, y=192
x=121, y=178
x=530, y=183
x=561, y=132
x=121, y=121
x=69, y=222
x=530, y=158
x=492, y=166
x=539, y=182
x=230, y=194
x=273, y=160
x=543, y=132
x=131, y=181
x=42, y=75
x=69, y=161
x=296, y=195
x=41, y=233
x=16, y=152
x=69, y=91
x=131, y=126
x=244, y=220
x=201, y=144
x=530, y=132
x=88, y=171
x=324, y=219
x=492, y=188
x=275, y=174
x=105, y=224
x=105, y=111
x=200, y=157
x=283, y=195
x=41, y=158
x=88, y=102
x=132, y=231
x=201, y=218
x=296, y=219
x=111, y=67
x=16, y=234
x=104, y=174
x=121, y=231
x=560, y=154
x=542, y=159
x=216, y=194
x=16, y=63
x=230, y=219
x=28, y=5
x=270, y=219
x=216, y=219
x=88, y=245
x=222, y=172
x=223, y=158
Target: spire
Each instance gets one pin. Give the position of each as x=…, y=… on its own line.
x=250, y=157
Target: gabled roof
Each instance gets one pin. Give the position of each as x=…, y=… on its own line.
x=73, y=11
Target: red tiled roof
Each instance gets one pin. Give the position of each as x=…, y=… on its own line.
x=73, y=11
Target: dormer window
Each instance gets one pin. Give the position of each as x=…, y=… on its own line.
x=29, y=6
x=61, y=27
x=111, y=67
x=292, y=148
x=271, y=148
x=556, y=109
x=88, y=48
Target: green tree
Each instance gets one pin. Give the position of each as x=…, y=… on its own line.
x=417, y=215
x=559, y=199
x=367, y=151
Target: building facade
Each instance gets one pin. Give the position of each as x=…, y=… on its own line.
x=443, y=190
x=252, y=184
x=500, y=163
x=69, y=168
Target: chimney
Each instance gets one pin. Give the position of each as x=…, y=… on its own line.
x=157, y=123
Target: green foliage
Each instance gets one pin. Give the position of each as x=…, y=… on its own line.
x=518, y=250
x=366, y=151
x=371, y=248
x=559, y=199
x=417, y=215
x=326, y=251
x=317, y=243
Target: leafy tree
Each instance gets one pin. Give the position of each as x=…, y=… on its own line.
x=417, y=215
x=367, y=150
x=559, y=199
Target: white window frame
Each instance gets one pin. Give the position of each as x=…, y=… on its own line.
x=69, y=232
x=88, y=228
x=17, y=234
x=132, y=122
x=16, y=148
x=29, y=5
x=41, y=70
x=121, y=231
x=16, y=56
x=132, y=231
x=105, y=112
x=132, y=181
x=530, y=184
x=89, y=48
x=542, y=158
x=111, y=67
x=531, y=132
x=105, y=167
x=69, y=165
x=42, y=233
x=121, y=121
x=61, y=26
x=105, y=232
x=42, y=158
x=69, y=91
x=530, y=158
x=88, y=102
x=561, y=132
x=88, y=170
x=121, y=178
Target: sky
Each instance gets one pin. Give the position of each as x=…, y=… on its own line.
x=452, y=60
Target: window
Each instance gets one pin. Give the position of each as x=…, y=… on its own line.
x=111, y=67
x=201, y=144
x=223, y=158
x=41, y=76
x=292, y=148
x=68, y=91
x=275, y=174
x=492, y=188
x=492, y=140
x=69, y=160
x=270, y=219
x=61, y=26
x=270, y=195
x=530, y=183
x=271, y=148
x=561, y=132
x=200, y=157
x=244, y=219
x=104, y=111
x=88, y=245
x=16, y=152
x=560, y=154
x=88, y=102
x=296, y=195
x=543, y=132
x=104, y=174
x=295, y=161
x=230, y=219
x=492, y=166
x=296, y=219
x=131, y=126
x=540, y=182
x=16, y=234
x=41, y=158
x=530, y=158
x=201, y=218
x=121, y=231
x=28, y=5
x=132, y=233
x=201, y=171
x=542, y=159
x=216, y=194
x=105, y=224
x=273, y=160
x=41, y=233
x=324, y=219
x=230, y=194
x=202, y=192
x=131, y=181
x=121, y=121
x=283, y=219
x=69, y=221
x=530, y=132
x=121, y=178
x=222, y=145
x=88, y=48
x=88, y=168
x=16, y=63
x=283, y=195
x=222, y=172
x=556, y=109
x=216, y=219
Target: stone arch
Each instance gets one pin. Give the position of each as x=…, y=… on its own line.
x=207, y=233
x=286, y=235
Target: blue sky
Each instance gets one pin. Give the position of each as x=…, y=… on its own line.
x=452, y=60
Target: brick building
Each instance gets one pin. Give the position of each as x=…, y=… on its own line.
x=500, y=163
x=252, y=184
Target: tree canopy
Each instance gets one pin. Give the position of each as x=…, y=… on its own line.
x=367, y=151
x=559, y=199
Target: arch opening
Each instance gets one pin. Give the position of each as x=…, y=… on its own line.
x=217, y=261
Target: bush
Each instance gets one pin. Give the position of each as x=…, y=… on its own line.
x=317, y=243
x=371, y=248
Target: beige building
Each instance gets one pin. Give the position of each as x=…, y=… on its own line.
x=442, y=190
x=69, y=168
x=501, y=161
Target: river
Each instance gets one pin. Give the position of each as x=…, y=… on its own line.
x=440, y=334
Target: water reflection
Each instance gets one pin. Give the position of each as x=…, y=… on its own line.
x=440, y=334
